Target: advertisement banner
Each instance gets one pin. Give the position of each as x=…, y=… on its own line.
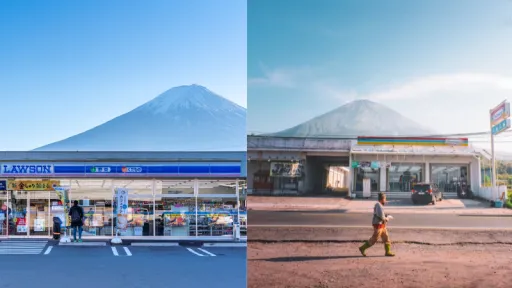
x=32, y=185
x=285, y=169
x=3, y=185
x=63, y=194
x=122, y=208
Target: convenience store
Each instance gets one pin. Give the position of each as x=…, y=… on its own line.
x=170, y=195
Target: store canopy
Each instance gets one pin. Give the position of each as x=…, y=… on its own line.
x=415, y=150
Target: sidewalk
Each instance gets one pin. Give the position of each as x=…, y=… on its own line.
x=397, y=235
x=395, y=206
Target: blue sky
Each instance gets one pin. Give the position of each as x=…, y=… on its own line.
x=442, y=63
x=68, y=66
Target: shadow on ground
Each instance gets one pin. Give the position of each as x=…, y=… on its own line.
x=312, y=258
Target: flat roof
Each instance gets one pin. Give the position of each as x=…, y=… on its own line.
x=135, y=156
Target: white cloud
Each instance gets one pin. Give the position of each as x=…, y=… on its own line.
x=307, y=79
x=426, y=86
x=280, y=77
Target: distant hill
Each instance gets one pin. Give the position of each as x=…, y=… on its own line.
x=358, y=118
x=185, y=118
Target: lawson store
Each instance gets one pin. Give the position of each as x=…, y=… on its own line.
x=170, y=195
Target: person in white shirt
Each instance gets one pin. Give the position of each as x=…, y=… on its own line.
x=379, y=222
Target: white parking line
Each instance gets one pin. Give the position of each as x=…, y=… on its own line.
x=128, y=253
x=114, y=250
x=192, y=251
x=48, y=250
x=211, y=254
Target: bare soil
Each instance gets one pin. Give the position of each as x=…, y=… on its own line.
x=329, y=265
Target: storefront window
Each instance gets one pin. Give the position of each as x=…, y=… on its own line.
x=403, y=176
x=175, y=208
x=449, y=178
x=367, y=172
x=218, y=208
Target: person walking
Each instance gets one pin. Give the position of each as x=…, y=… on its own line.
x=77, y=216
x=380, y=219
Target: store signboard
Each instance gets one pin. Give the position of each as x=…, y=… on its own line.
x=122, y=208
x=26, y=169
x=32, y=185
x=500, y=113
x=500, y=127
x=188, y=169
x=285, y=169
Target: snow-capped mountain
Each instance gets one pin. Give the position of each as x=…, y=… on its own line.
x=358, y=118
x=184, y=118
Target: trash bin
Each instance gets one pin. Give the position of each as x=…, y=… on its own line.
x=56, y=228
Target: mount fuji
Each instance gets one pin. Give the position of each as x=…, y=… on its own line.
x=184, y=118
x=358, y=118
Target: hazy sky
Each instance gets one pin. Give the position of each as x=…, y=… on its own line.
x=441, y=63
x=68, y=66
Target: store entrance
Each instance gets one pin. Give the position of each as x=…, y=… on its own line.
x=38, y=216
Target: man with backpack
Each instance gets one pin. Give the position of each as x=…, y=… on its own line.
x=77, y=215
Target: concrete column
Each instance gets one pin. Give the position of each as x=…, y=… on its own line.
x=427, y=172
x=350, y=175
x=383, y=180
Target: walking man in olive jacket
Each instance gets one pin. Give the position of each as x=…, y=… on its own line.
x=379, y=222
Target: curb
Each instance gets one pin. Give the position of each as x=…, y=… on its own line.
x=188, y=244
x=88, y=244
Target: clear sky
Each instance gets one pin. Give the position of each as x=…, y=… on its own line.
x=441, y=63
x=68, y=66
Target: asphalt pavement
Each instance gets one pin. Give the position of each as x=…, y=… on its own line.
x=25, y=264
x=339, y=219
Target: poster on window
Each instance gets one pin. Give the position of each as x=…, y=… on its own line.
x=285, y=169
x=122, y=208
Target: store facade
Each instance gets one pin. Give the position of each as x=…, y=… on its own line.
x=396, y=164
x=170, y=195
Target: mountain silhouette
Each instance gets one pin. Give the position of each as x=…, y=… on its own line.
x=357, y=118
x=184, y=118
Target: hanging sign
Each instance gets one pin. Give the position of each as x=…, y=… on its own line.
x=122, y=208
x=32, y=185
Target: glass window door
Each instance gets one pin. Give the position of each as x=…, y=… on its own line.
x=39, y=222
x=3, y=214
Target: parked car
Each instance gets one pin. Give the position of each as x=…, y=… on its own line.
x=426, y=193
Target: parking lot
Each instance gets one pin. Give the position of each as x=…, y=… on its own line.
x=135, y=266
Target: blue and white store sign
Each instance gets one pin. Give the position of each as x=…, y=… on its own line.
x=142, y=170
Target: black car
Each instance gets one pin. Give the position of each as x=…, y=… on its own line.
x=426, y=193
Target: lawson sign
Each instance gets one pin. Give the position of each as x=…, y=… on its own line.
x=199, y=169
x=26, y=169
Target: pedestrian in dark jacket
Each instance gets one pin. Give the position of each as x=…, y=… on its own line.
x=77, y=220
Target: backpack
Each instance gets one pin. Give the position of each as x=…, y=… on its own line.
x=75, y=215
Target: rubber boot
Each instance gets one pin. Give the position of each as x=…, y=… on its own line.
x=363, y=248
x=388, y=250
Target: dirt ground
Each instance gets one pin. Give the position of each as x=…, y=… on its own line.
x=329, y=265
